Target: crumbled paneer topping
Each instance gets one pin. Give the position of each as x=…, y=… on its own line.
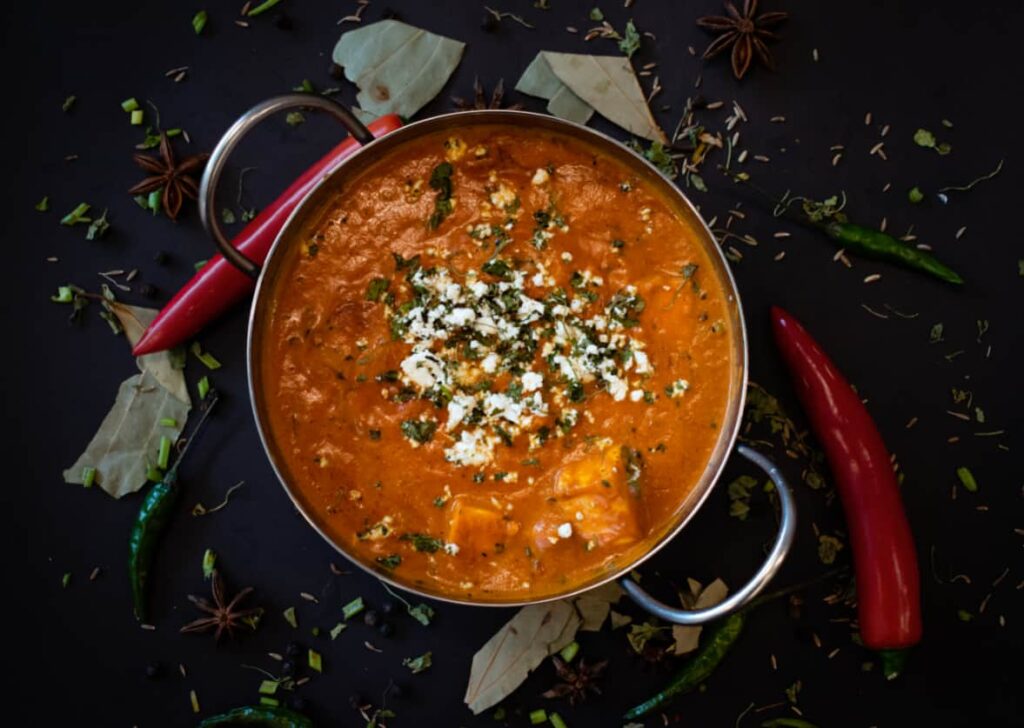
x=677, y=388
x=540, y=177
x=565, y=530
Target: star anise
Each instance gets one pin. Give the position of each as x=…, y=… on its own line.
x=170, y=175
x=225, y=614
x=745, y=33
x=480, y=99
x=576, y=683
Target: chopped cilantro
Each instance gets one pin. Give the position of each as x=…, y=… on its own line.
x=630, y=42
x=376, y=289
x=389, y=562
x=423, y=543
x=420, y=431
x=418, y=664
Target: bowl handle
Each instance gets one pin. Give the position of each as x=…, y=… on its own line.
x=771, y=565
x=219, y=157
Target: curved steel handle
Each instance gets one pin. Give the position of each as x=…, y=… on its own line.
x=219, y=157
x=771, y=565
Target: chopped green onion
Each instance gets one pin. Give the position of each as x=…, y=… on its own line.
x=556, y=721
x=569, y=651
x=315, y=661
x=88, y=476
x=967, y=479
x=538, y=716
x=209, y=562
x=130, y=105
x=964, y=616
x=168, y=422
x=154, y=474
x=44, y=204
x=195, y=700
x=154, y=199
x=98, y=227
x=64, y=295
x=262, y=8
x=65, y=580
x=68, y=103
x=290, y=618
x=138, y=116
x=915, y=195
x=199, y=21
x=164, y=456
x=176, y=131
x=353, y=608
x=203, y=387
x=268, y=687
x=77, y=215
x=270, y=702
x=338, y=629
x=305, y=87
x=208, y=359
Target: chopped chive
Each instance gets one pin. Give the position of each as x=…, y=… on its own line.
x=44, y=204
x=176, y=131
x=163, y=458
x=556, y=721
x=65, y=580
x=208, y=359
x=77, y=215
x=88, y=476
x=967, y=479
x=203, y=387
x=130, y=105
x=270, y=702
x=138, y=116
x=154, y=474
x=268, y=687
x=199, y=21
x=64, y=295
x=68, y=103
x=338, y=629
x=290, y=618
x=315, y=661
x=569, y=651
x=262, y=8
x=168, y=422
x=353, y=608
x=538, y=716
x=209, y=562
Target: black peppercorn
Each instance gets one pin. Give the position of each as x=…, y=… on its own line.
x=154, y=670
x=293, y=649
x=385, y=629
x=282, y=22
x=371, y=618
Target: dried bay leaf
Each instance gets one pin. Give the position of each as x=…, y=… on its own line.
x=607, y=84
x=504, y=662
x=539, y=80
x=687, y=637
x=129, y=436
x=593, y=606
x=398, y=68
x=134, y=320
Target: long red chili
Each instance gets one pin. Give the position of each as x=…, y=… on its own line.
x=218, y=285
x=885, y=560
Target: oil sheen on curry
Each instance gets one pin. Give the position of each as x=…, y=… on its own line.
x=497, y=364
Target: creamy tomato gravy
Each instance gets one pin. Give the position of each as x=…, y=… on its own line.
x=497, y=364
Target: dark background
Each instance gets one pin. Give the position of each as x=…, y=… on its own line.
x=910, y=64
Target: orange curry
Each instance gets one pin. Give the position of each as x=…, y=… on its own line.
x=497, y=364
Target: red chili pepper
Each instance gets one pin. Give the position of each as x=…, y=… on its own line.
x=884, y=557
x=218, y=285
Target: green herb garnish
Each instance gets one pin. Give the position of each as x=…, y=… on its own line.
x=77, y=215
x=88, y=476
x=290, y=618
x=967, y=479
x=294, y=118
x=68, y=103
x=389, y=562
x=441, y=180
x=422, y=542
x=209, y=562
x=208, y=359
x=376, y=289
x=420, y=431
x=353, y=608
x=43, y=205
x=418, y=664
x=630, y=42
x=915, y=195
x=316, y=662
x=199, y=21
x=262, y=8
x=924, y=138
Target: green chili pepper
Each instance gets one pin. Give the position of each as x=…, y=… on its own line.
x=265, y=715
x=880, y=245
x=719, y=639
x=154, y=513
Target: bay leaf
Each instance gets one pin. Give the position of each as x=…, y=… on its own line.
x=504, y=662
x=593, y=606
x=539, y=80
x=398, y=68
x=129, y=436
x=609, y=85
x=687, y=637
x=134, y=320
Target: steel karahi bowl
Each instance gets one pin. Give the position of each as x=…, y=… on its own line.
x=334, y=184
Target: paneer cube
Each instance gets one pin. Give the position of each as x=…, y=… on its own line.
x=476, y=525
x=598, y=471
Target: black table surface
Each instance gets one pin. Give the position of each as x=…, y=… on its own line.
x=909, y=64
